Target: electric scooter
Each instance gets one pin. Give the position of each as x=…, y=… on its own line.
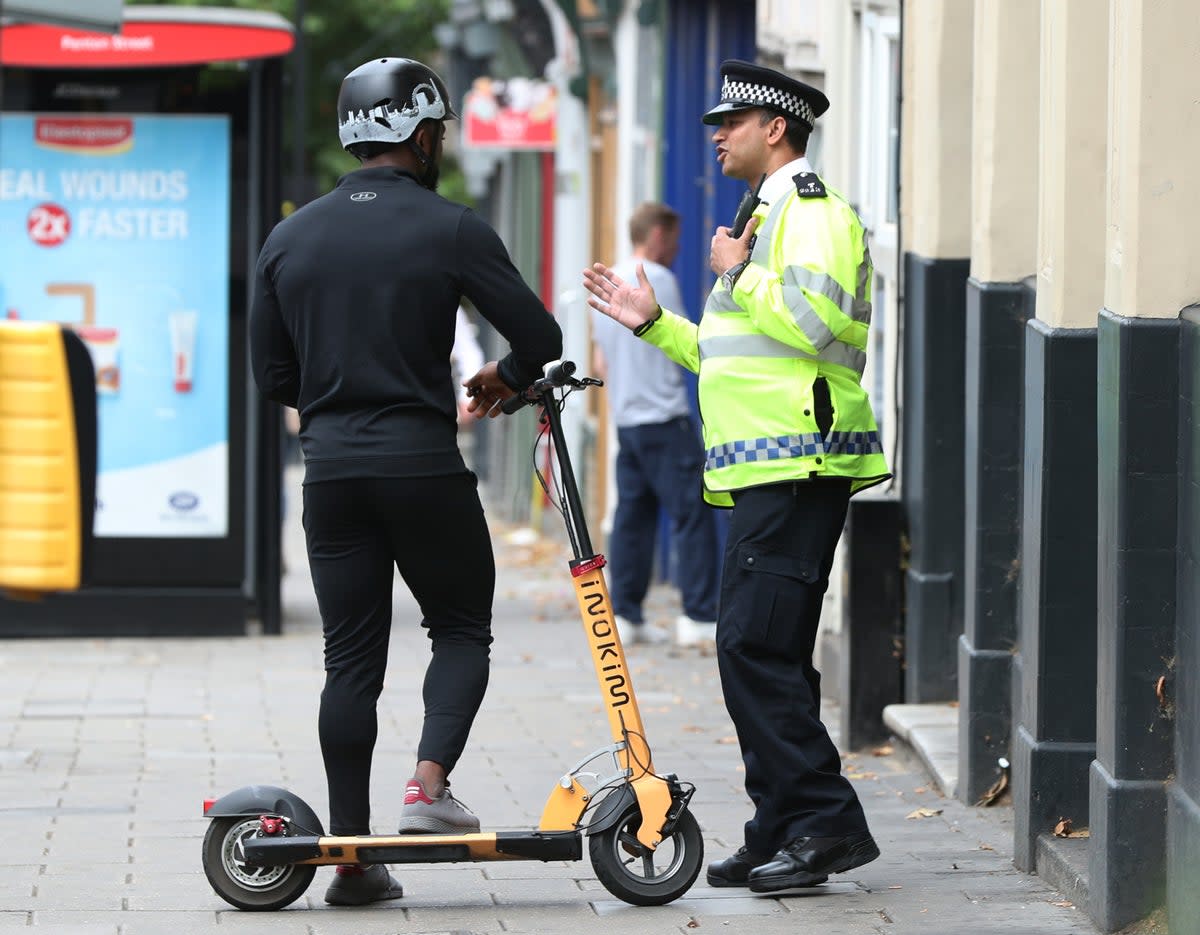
x=264, y=844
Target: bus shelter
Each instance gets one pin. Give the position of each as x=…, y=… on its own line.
x=138, y=178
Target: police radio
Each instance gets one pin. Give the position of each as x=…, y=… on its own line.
x=745, y=210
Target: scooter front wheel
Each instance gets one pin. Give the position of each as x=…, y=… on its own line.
x=641, y=876
x=244, y=885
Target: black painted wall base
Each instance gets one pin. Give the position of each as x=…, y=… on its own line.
x=996, y=317
x=1138, y=469
x=1183, y=861
x=870, y=664
x=128, y=612
x=984, y=717
x=1126, y=858
x=1054, y=700
x=1049, y=782
x=1183, y=810
x=932, y=431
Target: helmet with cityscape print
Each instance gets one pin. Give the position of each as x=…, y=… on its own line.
x=382, y=102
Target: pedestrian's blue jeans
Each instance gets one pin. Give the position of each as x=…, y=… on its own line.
x=661, y=465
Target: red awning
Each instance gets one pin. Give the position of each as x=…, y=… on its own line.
x=150, y=36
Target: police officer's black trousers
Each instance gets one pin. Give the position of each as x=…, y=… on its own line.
x=777, y=560
x=433, y=530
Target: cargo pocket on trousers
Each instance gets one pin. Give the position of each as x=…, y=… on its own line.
x=772, y=594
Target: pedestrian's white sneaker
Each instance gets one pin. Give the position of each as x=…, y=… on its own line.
x=689, y=632
x=631, y=632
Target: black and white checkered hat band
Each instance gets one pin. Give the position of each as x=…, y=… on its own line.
x=761, y=95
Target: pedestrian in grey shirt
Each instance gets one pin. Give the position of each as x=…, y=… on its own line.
x=660, y=459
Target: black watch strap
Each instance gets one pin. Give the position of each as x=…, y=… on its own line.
x=645, y=326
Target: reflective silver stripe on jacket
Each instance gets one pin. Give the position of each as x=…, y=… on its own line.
x=761, y=345
x=808, y=444
x=720, y=301
x=864, y=273
x=765, y=233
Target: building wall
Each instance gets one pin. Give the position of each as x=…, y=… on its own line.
x=936, y=151
x=1102, y=127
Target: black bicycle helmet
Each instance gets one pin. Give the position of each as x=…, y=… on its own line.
x=385, y=99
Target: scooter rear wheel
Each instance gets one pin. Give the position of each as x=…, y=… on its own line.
x=641, y=876
x=248, y=886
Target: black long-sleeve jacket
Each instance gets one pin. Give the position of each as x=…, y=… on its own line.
x=353, y=321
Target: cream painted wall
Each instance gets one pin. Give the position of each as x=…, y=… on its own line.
x=1004, y=127
x=939, y=40
x=1153, y=256
x=908, y=110
x=1074, y=53
x=838, y=133
x=794, y=30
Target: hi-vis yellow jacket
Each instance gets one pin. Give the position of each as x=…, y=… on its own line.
x=799, y=311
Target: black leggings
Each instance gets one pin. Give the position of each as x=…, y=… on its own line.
x=433, y=530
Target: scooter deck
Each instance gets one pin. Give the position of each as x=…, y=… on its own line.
x=270, y=851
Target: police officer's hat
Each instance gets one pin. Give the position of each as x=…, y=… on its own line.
x=747, y=85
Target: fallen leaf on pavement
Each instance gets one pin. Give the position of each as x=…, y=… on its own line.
x=886, y=750
x=996, y=790
x=920, y=789
x=1063, y=904
x=986, y=847
x=726, y=740
x=924, y=813
x=1064, y=829
x=693, y=924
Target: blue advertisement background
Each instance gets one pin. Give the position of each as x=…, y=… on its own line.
x=138, y=280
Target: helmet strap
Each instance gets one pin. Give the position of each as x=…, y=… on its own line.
x=426, y=161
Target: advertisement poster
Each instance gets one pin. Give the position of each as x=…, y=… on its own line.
x=519, y=113
x=119, y=227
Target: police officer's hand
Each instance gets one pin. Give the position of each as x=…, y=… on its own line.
x=487, y=391
x=630, y=304
x=726, y=251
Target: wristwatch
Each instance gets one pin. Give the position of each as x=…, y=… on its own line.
x=729, y=278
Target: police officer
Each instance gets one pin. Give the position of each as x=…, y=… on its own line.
x=352, y=323
x=790, y=435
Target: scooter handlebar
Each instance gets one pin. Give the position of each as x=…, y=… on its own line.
x=557, y=373
x=513, y=403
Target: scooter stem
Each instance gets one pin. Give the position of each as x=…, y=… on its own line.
x=608, y=656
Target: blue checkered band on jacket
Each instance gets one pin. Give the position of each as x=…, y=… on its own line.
x=761, y=95
x=806, y=445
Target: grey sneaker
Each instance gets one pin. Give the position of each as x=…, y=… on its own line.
x=356, y=885
x=443, y=815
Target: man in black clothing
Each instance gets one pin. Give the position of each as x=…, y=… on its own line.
x=352, y=324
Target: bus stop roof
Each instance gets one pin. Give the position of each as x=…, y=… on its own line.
x=97, y=15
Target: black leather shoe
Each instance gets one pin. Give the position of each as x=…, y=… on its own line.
x=734, y=869
x=808, y=861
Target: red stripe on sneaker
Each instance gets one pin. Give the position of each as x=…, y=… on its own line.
x=414, y=793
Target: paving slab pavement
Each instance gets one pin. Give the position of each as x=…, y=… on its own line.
x=109, y=746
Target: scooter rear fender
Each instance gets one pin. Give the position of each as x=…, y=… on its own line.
x=267, y=800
